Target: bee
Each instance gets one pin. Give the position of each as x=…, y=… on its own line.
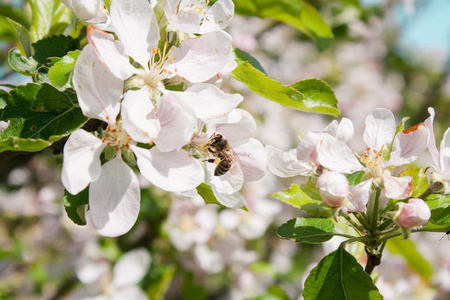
x=224, y=155
x=448, y=235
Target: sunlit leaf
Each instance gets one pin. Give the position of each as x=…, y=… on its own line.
x=59, y=73
x=307, y=230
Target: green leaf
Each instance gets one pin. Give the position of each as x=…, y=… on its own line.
x=419, y=180
x=39, y=112
x=339, y=276
x=49, y=17
x=440, y=208
x=24, y=37
x=242, y=56
x=436, y=228
x=54, y=46
x=314, y=22
x=20, y=63
x=75, y=205
x=310, y=95
x=307, y=230
x=305, y=197
x=60, y=72
x=18, y=144
x=415, y=260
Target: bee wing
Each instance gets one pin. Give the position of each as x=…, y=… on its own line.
x=236, y=159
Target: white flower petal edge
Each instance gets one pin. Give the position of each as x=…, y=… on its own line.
x=131, y=267
x=228, y=183
x=218, y=16
x=138, y=116
x=184, y=20
x=253, y=159
x=238, y=133
x=111, y=53
x=285, y=163
x=432, y=142
x=445, y=155
x=174, y=171
x=128, y=292
x=408, y=145
x=234, y=200
x=136, y=26
x=360, y=195
x=90, y=11
x=114, y=199
x=398, y=187
x=337, y=156
x=200, y=58
x=99, y=92
x=81, y=163
x=380, y=128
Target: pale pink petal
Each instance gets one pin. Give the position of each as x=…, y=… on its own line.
x=129, y=292
x=432, y=142
x=333, y=188
x=87, y=10
x=398, y=187
x=233, y=201
x=114, y=199
x=345, y=130
x=174, y=171
x=111, y=53
x=177, y=126
x=131, y=267
x=285, y=163
x=359, y=195
x=182, y=17
x=380, y=128
x=240, y=132
x=335, y=155
x=218, y=16
x=200, y=58
x=307, y=148
x=208, y=101
x=98, y=91
x=135, y=24
x=228, y=183
x=138, y=115
x=81, y=163
x=445, y=154
x=229, y=66
x=408, y=145
x=252, y=159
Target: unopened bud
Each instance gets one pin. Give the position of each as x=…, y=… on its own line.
x=334, y=188
x=414, y=213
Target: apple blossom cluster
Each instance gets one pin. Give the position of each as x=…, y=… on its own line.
x=151, y=74
x=326, y=159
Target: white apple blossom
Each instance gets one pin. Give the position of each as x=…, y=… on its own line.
x=114, y=194
x=249, y=157
x=90, y=11
x=440, y=158
x=193, y=16
x=303, y=160
x=376, y=161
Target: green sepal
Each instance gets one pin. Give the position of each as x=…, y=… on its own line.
x=307, y=230
x=75, y=205
x=339, y=276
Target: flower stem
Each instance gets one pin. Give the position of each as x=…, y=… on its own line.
x=372, y=210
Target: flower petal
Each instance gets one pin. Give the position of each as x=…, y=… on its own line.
x=174, y=171
x=445, y=154
x=181, y=15
x=233, y=201
x=380, y=128
x=408, y=145
x=139, y=120
x=253, y=159
x=114, y=199
x=81, y=161
x=98, y=91
x=198, y=59
x=432, y=142
x=360, y=195
x=111, y=53
x=228, y=183
x=89, y=11
x=208, y=101
x=335, y=155
x=398, y=187
x=131, y=267
x=238, y=133
x=135, y=24
x=285, y=163
x=177, y=126
x=218, y=16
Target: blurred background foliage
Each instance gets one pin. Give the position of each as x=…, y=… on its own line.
x=390, y=54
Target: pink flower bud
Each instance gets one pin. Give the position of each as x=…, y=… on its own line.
x=414, y=213
x=333, y=188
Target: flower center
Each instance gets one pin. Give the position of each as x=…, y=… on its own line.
x=158, y=63
x=117, y=137
x=374, y=161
